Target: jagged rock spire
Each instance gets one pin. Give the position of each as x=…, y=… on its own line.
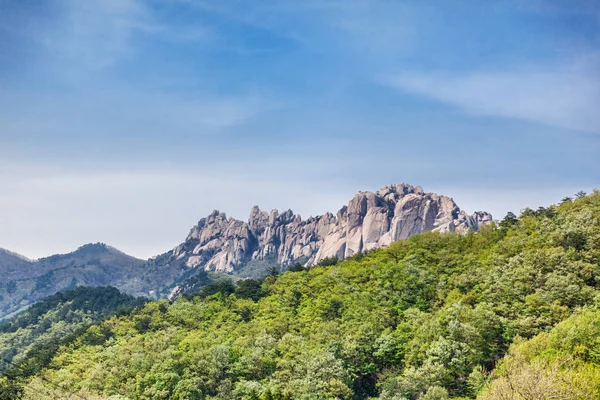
x=370, y=220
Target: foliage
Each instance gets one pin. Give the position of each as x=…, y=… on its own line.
x=296, y=267
x=431, y=318
x=328, y=261
x=224, y=286
x=30, y=340
x=563, y=363
x=249, y=289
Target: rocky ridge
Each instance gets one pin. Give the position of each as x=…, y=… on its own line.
x=244, y=248
x=370, y=220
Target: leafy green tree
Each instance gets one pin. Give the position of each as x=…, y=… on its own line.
x=328, y=261
x=296, y=267
x=10, y=390
x=249, y=289
x=509, y=221
x=224, y=286
x=528, y=213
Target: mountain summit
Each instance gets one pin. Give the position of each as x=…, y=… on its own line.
x=27, y=281
x=370, y=220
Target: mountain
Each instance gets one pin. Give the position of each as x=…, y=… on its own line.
x=508, y=312
x=245, y=249
x=370, y=220
x=26, y=281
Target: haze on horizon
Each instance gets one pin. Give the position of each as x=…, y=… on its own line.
x=125, y=121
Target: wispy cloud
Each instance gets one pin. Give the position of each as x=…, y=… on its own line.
x=566, y=97
x=354, y=26
x=96, y=34
x=130, y=114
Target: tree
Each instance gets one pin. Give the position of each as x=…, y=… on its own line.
x=315, y=375
x=297, y=267
x=328, y=261
x=509, y=221
x=224, y=286
x=10, y=390
x=527, y=213
x=545, y=212
x=554, y=379
x=249, y=289
x=424, y=319
x=580, y=194
x=333, y=309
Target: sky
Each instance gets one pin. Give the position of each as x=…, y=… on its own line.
x=126, y=121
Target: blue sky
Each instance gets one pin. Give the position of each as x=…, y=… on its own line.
x=125, y=121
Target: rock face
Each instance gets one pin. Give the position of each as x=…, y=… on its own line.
x=370, y=220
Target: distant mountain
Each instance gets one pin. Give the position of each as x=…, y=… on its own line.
x=26, y=281
x=219, y=244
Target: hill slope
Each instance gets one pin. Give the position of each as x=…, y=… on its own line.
x=425, y=318
x=57, y=317
x=93, y=265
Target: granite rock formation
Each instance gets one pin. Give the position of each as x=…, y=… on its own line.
x=370, y=220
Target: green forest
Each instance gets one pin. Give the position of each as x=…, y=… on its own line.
x=29, y=341
x=510, y=312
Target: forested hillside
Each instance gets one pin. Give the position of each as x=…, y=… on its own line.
x=509, y=312
x=29, y=340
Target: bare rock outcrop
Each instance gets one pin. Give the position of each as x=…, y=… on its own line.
x=370, y=220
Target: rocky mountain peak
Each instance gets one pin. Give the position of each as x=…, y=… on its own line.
x=370, y=220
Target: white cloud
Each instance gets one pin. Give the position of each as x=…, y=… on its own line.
x=355, y=26
x=95, y=35
x=105, y=113
x=566, y=97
